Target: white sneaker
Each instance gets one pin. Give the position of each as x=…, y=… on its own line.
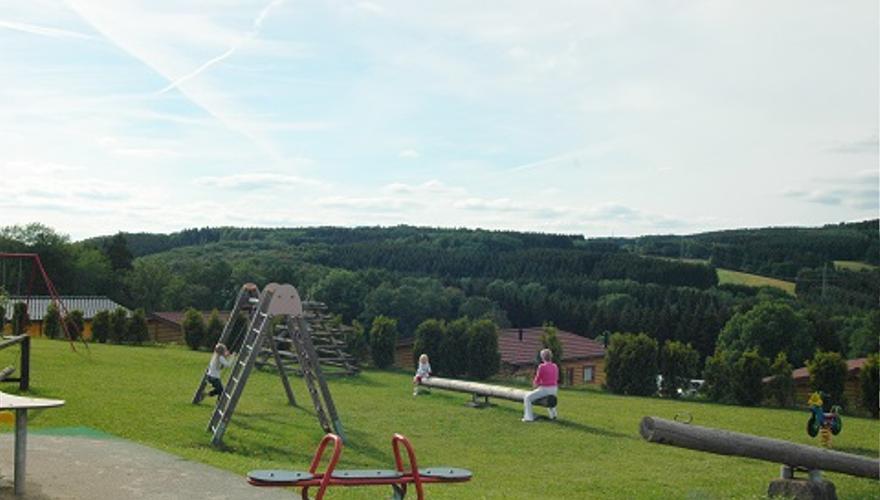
x=528, y=419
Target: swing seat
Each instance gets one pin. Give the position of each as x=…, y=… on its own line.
x=398, y=479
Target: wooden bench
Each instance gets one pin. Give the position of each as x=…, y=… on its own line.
x=21, y=405
x=485, y=391
x=398, y=478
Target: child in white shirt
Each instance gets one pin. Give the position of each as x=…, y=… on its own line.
x=423, y=372
x=219, y=360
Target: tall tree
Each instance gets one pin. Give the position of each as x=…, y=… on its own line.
x=116, y=249
x=52, y=322
x=193, y=328
x=383, y=340
x=138, y=332
x=484, y=360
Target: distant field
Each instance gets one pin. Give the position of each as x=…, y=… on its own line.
x=738, y=278
x=853, y=265
x=594, y=451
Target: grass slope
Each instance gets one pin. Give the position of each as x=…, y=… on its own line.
x=854, y=265
x=739, y=278
x=595, y=451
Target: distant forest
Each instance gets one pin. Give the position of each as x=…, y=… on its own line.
x=665, y=286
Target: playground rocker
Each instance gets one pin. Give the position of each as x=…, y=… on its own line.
x=398, y=479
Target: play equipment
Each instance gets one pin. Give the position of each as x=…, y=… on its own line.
x=277, y=304
x=822, y=423
x=21, y=405
x=24, y=363
x=36, y=267
x=485, y=391
x=398, y=479
x=790, y=455
x=327, y=336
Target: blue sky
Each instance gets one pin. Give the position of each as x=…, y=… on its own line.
x=599, y=118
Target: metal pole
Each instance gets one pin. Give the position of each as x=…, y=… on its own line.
x=20, y=449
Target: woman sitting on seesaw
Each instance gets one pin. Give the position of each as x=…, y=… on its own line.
x=546, y=384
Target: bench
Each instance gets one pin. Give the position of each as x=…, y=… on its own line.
x=398, y=478
x=485, y=391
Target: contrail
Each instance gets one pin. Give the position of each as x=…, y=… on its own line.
x=44, y=30
x=257, y=25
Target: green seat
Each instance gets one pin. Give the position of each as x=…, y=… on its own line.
x=278, y=476
x=446, y=473
x=365, y=474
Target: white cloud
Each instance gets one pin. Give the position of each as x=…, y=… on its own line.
x=408, y=153
x=254, y=181
x=44, y=30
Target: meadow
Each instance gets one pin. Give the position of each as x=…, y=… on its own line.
x=740, y=278
x=594, y=451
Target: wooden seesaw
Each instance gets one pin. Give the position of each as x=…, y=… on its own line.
x=398, y=479
x=478, y=390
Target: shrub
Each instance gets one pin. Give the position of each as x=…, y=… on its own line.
x=118, y=325
x=631, y=364
x=430, y=340
x=455, y=347
x=20, y=318
x=356, y=342
x=75, y=324
x=193, y=328
x=550, y=340
x=828, y=375
x=2, y=313
x=770, y=327
x=383, y=340
x=137, y=327
x=52, y=322
x=213, y=329
x=101, y=327
x=870, y=382
x=718, y=374
x=748, y=375
x=482, y=349
x=780, y=389
x=678, y=364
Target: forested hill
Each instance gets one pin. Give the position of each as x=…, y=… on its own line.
x=588, y=286
x=777, y=252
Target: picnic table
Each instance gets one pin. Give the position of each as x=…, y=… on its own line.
x=21, y=405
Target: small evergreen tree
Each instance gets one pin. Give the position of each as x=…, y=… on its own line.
x=75, y=324
x=631, y=364
x=719, y=377
x=356, y=342
x=870, y=382
x=101, y=327
x=455, y=347
x=213, y=329
x=52, y=322
x=193, y=328
x=550, y=340
x=828, y=375
x=118, y=325
x=20, y=318
x=2, y=315
x=483, y=357
x=137, y=327
x=383, y=340
x=780, y=389
x=430, y=339
x=748, y=373
x=678, y=364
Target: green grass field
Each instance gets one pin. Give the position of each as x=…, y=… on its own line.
x=739, y=278
x=594, y=451
x=853, y=265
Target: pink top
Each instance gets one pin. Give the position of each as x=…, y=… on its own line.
x=547, y=375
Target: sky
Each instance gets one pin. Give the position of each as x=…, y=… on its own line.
x=589, y=117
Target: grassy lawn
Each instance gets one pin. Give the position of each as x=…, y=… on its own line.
x=595, y=451
x=853, y=265
x=739, y=278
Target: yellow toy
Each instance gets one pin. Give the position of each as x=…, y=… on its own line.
x=821, y=423
x=6, y=417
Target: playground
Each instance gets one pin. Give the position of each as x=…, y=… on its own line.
x=143, y=395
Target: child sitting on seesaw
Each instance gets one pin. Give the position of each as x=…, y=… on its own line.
x=219, y=360
x=423, y=372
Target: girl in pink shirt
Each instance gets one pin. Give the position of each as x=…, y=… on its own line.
x=545, y=383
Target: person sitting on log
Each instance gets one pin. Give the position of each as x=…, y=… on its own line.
x=423, y=372
x=546, y=384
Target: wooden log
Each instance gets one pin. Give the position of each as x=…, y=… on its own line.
x=694, y=437
x=6, y=372
x=8, y=341
x=479, y=389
